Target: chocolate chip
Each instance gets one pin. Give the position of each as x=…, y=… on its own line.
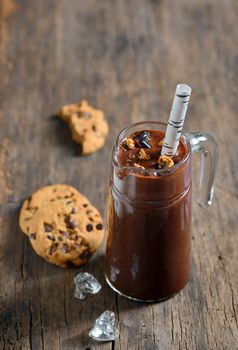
x=73, y=211
x=66, y=219
x=88, y=212
x=89, y=227
x=47, y=227
x=156, y=166
x=69, y=263
x=65, y=248
x=64, y=233
x=85, y=205
x=82, y=114
x=94, y=128
x=53, y=248
x=60, y=238
x=69, y=202
x=162, y=165
x=27, y=219
x=71, y=224
x=124, y=145
x=86, y=254
x=28, y=203
x=33, y=236
x=52, y=238
x=99, y=227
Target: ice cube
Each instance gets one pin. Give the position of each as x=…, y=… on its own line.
x=143, y=140
x=104, y=328
x=85, y=283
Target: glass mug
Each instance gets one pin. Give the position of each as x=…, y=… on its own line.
x=149, y=219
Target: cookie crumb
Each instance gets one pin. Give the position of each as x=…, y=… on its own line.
x=130, y=143
x=165, y=162
x=143, y=155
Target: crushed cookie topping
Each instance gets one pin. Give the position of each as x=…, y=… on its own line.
x=165, y=162
x=143, y=155
x=161, y=142
x=130, y=143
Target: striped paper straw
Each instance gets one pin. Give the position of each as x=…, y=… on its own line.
x=176, y=120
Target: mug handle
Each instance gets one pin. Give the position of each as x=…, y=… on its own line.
x=206, y=144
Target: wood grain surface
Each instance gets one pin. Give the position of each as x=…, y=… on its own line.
x=126, y=57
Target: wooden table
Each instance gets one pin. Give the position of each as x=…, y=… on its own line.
x=126, y=57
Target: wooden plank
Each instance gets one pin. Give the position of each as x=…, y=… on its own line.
x=125, y=57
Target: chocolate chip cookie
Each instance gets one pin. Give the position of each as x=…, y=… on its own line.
x=88, y=125
x=44, y=196
x=65, y=231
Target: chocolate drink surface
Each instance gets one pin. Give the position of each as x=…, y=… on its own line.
x=149, y=218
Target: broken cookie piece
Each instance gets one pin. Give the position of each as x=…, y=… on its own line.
x=88, y=125
x=130, y=143
x=143, y=155
x=165, y=162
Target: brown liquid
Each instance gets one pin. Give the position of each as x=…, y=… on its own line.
x=127, y=156
x=148, y=247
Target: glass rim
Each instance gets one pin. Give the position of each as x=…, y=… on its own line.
x=141, y=171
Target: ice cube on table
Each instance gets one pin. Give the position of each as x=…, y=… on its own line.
x=104, y=328
x=85, y=283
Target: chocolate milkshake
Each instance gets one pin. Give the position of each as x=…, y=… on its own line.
x=149, y=216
